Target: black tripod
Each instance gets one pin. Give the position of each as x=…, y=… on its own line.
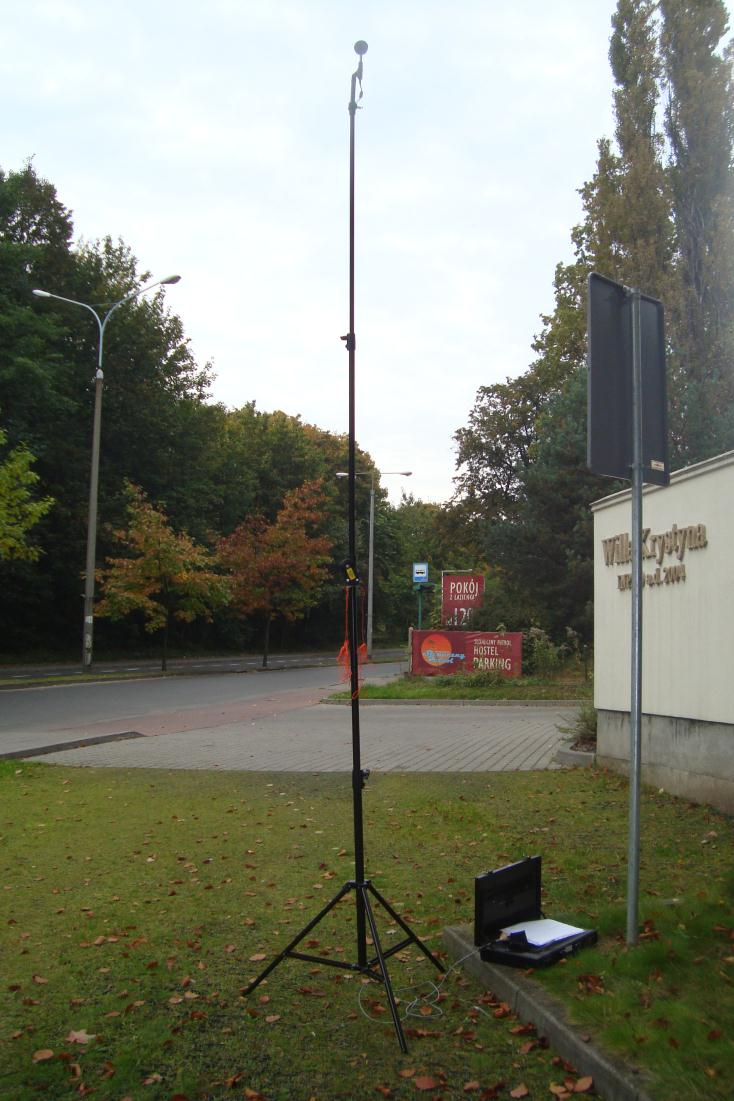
x=373, y=965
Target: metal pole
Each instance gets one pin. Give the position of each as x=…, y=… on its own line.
x=89, y=579
x=371, y=568
x=353, y=582
x=88, y=624
x=633, y=859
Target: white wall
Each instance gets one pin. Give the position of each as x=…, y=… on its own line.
x=687, y=625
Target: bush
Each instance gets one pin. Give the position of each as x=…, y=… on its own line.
x=583, y=725
x=540, y=655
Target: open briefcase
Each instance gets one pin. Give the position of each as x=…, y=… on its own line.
x=509, y=926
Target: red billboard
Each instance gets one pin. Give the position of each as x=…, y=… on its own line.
x=433, y=652
x=460, y=593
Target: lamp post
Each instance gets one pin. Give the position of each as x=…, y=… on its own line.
x=371, y=557
x=88, y=621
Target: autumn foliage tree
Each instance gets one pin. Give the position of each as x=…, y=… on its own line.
x=278, y=568
x=164, y=574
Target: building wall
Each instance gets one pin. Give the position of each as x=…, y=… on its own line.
x=687, y=630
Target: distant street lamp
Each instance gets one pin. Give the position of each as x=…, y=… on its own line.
x=371, y=564
x=88, y=624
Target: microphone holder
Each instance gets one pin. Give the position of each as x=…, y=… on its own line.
x=371, y=964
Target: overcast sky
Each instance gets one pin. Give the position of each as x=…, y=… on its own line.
x=213, y=138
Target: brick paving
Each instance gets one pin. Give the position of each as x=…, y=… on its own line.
x=317, y=738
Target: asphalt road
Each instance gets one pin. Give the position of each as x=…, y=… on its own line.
x=63, y=714
x=240, y=663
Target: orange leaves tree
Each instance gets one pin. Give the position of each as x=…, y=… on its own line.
x=279, y=568
x=163, y=574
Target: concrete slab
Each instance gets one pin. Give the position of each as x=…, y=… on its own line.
x=318, y=738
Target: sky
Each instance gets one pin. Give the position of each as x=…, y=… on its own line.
x=213, y=138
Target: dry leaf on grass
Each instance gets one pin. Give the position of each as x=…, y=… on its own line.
x=80, y=1036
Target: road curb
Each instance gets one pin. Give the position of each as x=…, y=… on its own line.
x=75, y=743
x=530, y=1002
x=455, y=703
x=580, y=758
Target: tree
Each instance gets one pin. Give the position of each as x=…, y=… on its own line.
x=278, y=567
x=164, y=574
x=699, y=123
x=19, y=511
x=657, y=216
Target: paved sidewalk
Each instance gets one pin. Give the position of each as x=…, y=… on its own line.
x=318, y=738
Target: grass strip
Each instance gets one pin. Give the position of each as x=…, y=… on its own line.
x=462, y=688
x=138, y=904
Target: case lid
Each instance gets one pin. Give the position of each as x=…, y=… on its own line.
x=505, y=897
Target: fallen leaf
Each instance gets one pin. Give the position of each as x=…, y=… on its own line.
x=470, y=1086
x=559, y=1091
x=520, y=1091
x=79, y=1037
x=272, y=1018
x=407, y=1073
x=424, y=1082
x=43, y=1055
x=152, y=1079
x=39, y=980
x=257, y=957
x=591, y=984
x=584, y=1084
x=384, y=1090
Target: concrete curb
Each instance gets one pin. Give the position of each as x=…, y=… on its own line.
x=455, y=703
x=75, y=743
x=613, y=1081
x=580, y=758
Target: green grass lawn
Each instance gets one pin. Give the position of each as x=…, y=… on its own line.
x=477, y=687
x=137, y=904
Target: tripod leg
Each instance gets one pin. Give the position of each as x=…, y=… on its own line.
x=298, y=938
x=406, y=928
x=362, y=889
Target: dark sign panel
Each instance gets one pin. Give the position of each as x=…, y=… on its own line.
x=443, y=652
x=610, y=383
x=460, y=592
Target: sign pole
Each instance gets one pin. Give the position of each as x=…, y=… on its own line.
x=633, y=858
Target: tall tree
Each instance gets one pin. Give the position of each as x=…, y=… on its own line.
x=163, y=575
x=699, y=123
x=664, y=225
x=278, y=567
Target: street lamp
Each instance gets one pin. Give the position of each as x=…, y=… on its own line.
x=88, y=624
x=371, y=561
